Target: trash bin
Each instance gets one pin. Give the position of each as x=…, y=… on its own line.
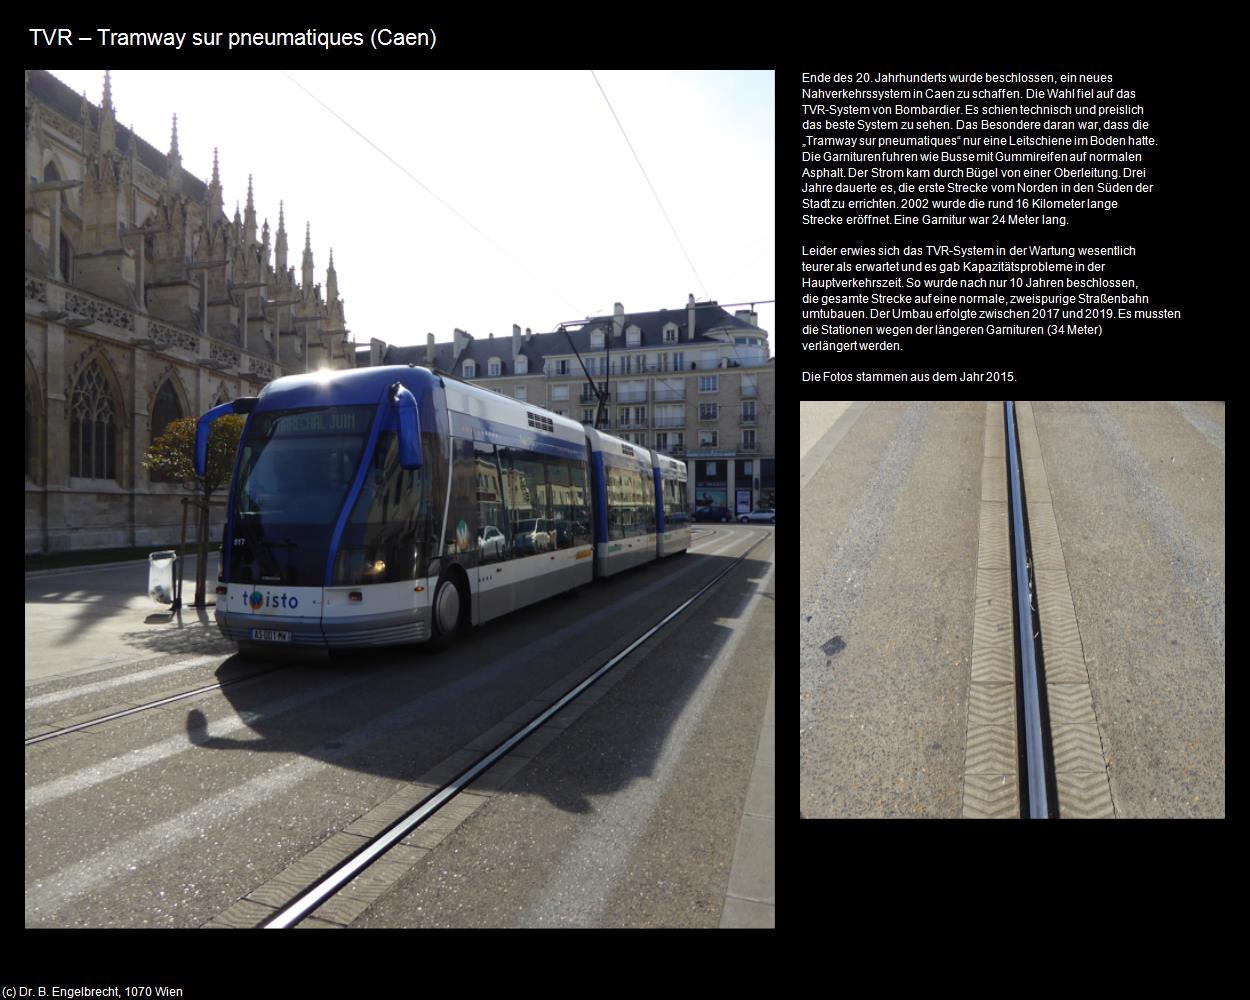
x=161, y=576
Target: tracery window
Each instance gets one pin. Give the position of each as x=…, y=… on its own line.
x=93, y=428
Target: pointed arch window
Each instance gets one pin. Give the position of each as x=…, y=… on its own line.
x=93, y=428
x=165, y=410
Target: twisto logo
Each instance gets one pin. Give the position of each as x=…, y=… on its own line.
x=258, y=600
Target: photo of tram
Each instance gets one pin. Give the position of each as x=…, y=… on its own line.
x=392, y=505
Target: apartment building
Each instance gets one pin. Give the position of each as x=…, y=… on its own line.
x=696, y=383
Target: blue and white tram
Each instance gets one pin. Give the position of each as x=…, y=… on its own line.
x=388, y=505
x=672, y=505
x=625, y=506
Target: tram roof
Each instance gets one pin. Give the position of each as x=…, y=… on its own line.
x=342, y=387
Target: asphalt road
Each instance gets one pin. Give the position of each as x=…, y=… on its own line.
x=633, y=810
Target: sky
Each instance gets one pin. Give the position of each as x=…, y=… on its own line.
x=476, y=200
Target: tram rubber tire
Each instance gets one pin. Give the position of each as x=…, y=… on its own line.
x=441, y=638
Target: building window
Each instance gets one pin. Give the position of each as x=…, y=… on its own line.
x=596, y=340
x=709, y=383
x=562, y=366
x=67, y=260
x=748, y=440
x=519, y=392
x=165, y=410
x=93, y=428
x=707, y=439
x=492, y=367
x=559, y=392
x=633, y=337
x=748, y=411
x=470, y=370
x=709, y=411
x=522, y=365
x=670, y=335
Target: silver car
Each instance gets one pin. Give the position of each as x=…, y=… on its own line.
x=532, y=535
x=767, y=515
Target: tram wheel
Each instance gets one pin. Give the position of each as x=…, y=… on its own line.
x=447, y=611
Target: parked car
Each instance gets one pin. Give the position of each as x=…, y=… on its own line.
x=491, y=543
x=533, y=535
x=765, y=514
x=722, y=514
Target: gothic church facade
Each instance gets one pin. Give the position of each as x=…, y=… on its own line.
x=144, y=303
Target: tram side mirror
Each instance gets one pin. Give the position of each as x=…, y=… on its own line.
x=409, y=428
x=244, y=404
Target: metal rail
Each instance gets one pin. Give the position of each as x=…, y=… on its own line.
x=148, y=705
x=1025, y=629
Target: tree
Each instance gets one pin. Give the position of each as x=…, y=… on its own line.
x=173, y=454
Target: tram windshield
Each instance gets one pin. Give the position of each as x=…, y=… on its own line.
x=296, y=470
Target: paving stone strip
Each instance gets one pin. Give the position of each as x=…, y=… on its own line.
x=1080, y=764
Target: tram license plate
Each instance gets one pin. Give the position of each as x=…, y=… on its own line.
x=270, y=635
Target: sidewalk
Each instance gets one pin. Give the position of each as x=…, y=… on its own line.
x=87, y=618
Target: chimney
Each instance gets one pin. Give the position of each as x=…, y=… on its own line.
x=377, y=351
x=748, y=316
x=516, y=344
x=618, y=321
x=690, y=317
x=460, y=340
x=528, y=335
x=429, y=350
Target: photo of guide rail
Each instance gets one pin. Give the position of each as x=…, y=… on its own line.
x=1012, y=609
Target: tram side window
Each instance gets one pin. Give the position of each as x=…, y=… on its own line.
x=646, y=502
x=528, y=502
x=578, y=509
x=563, y=508
x=612, y=484
x=494, y=529
x=570, y=501
x=675, y=511
x=463, y=518
x=627, y=507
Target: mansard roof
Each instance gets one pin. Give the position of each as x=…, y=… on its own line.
x=710, y=318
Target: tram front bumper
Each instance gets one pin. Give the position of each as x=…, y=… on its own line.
x=258, y=618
